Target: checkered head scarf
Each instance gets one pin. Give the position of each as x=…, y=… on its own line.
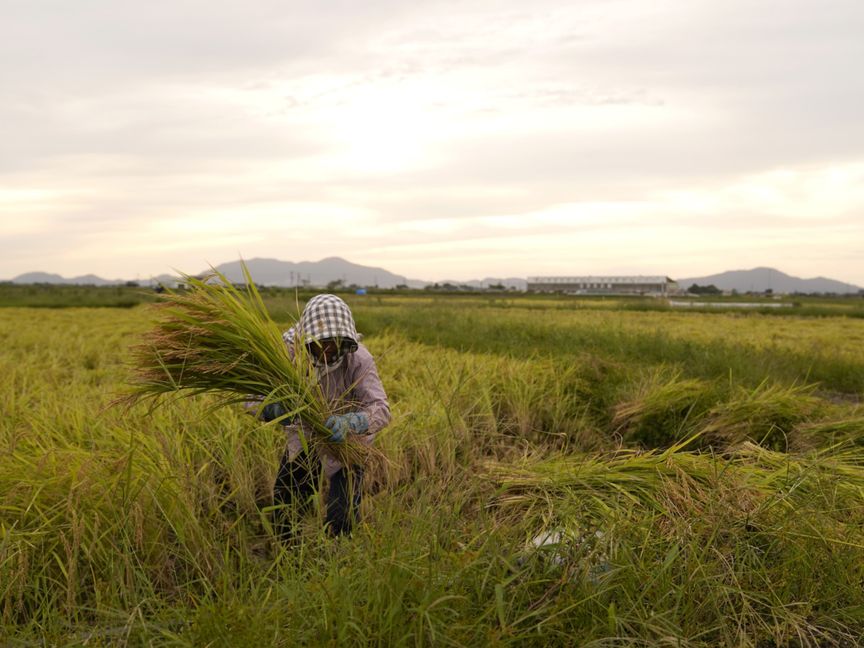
x=325, y=316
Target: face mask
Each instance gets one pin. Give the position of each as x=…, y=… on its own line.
x=324, y=369
x=328, y=351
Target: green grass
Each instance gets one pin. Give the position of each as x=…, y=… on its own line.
x=746, y=347
x=72, y=296
x=152, y=527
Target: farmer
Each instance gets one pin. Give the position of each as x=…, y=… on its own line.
x=349, y=379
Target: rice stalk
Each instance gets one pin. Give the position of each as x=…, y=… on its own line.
x=765, y=414
x=820, y=433
x=218, y=339
x=629, y=475
x=662, y=402
x=629, y=478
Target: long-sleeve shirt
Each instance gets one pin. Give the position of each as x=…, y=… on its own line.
x=354, y=386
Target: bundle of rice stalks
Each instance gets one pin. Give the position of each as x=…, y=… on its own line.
x=215, y=338
x=821, y=433
x=629, y=478
x=763, y=415
x=626, y=477
x=835, y=472
x=660, y=406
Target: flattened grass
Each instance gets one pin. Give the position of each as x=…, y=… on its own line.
x=712, y=550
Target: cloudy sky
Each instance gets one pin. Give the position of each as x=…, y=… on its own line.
x=437, y=139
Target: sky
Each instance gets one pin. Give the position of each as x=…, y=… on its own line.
x=436, y=139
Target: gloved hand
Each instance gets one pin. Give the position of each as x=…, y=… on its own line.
x=272, y=411
x=341, y=424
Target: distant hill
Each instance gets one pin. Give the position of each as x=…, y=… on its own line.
x=266, y=272
x=762, y=279
x=45, y=277
x=272, y=272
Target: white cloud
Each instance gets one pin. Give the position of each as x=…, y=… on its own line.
x=455, y=138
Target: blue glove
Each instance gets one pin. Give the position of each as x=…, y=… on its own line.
x=273, y=411
x=341, y=424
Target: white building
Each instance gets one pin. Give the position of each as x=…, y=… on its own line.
x=657, y=286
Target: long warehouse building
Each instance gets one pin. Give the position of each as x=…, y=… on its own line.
x=638, y=285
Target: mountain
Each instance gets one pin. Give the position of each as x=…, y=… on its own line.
x=38, y=277
x=89, y=280
x=266, y=272
x=272, y=272
x=762, y=279
x=164, y=279
x=46, y=277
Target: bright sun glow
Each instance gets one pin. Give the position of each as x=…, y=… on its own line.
x=381, y=132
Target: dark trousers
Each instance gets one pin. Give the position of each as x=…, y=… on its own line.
x=296, y=487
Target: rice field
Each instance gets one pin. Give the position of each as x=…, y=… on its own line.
x=557, y=473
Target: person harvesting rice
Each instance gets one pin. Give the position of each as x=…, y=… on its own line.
x=215, y=338
x=348, y=379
